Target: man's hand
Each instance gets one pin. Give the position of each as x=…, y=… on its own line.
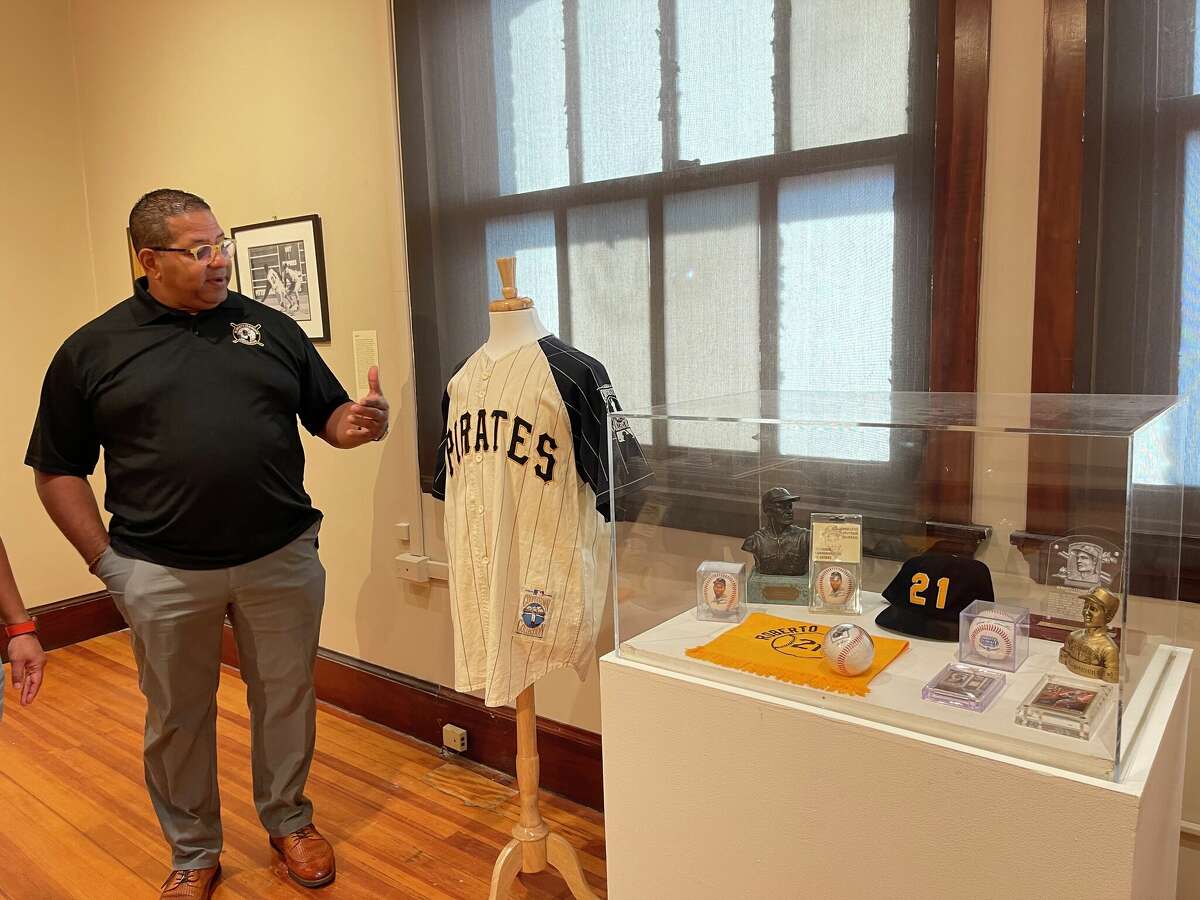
x=354, y=424
x=28, y=663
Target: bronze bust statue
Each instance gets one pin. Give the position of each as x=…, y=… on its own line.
x=1090, y=651
x=780, y=547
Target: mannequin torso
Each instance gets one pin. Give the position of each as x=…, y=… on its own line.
x=510, y=331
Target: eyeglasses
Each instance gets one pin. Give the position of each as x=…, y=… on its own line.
x=204, y=252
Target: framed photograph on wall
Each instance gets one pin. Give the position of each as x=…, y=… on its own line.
x=282, y=263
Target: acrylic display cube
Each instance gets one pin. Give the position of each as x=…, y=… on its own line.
x=721, y=591
x=993, y=635
x=1100, y=480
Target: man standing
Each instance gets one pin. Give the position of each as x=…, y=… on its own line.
x=194, y=391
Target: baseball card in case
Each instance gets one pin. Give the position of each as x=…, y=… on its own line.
x=720, y=591
x=964, y=686
x=836, y=564
x=993, y=635
x=1064, y=705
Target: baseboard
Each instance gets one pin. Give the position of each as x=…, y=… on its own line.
x=74, y=620
x=569, y=756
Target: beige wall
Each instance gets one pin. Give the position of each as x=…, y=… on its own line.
x=1005, y=355
x=45, y=256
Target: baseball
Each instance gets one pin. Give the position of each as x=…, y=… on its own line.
x=991, y=639
x=849, y=649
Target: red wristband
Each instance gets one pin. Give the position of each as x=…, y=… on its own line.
x=20, y=628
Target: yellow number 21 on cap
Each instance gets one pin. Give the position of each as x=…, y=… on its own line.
x=920, y=582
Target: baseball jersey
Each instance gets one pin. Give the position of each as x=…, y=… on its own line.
x=523, y=468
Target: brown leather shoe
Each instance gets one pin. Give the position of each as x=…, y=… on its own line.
x=190, y=884
x=309, y=856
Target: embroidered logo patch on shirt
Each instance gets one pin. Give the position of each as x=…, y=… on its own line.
x=248, y=335
x=535, y=613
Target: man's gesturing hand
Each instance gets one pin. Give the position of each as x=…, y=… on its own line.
x=366, y=420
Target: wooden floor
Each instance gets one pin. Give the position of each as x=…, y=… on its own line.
x=75, y=820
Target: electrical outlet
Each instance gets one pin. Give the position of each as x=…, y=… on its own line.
x=412, y=567
x=454, y=738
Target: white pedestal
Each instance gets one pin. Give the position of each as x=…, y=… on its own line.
x=720, y=791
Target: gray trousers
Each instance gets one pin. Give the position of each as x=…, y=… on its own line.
x=176, y=619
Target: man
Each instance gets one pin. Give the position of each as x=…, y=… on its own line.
x=193, y=391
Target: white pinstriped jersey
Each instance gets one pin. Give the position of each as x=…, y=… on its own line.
x=523, y=468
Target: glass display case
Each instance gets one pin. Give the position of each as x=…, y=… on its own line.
x=1068, y=506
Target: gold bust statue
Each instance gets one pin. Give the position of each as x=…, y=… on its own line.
x=1090, y=651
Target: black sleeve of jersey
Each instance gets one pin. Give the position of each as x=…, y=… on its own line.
x=588, y=395
x=439, y=475
x=64, y=439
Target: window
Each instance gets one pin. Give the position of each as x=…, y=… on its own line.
x=686, y=185
x=1165, y=306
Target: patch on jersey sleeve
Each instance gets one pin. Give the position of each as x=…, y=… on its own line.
x=620, y=425
x=536, y=608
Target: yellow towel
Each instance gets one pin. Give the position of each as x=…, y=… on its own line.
x=791, y=651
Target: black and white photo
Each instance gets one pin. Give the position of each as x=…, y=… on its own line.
x=281, y=264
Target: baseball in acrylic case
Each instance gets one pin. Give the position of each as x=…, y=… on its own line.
x=721, y=591
x=993, y=635
x=835, y=565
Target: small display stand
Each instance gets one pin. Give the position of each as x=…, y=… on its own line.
x=1062, y=704
x=993, y=635
x=964, y=686
x=720, y=591
x=835, y=564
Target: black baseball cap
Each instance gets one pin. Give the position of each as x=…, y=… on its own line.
x=914, y=595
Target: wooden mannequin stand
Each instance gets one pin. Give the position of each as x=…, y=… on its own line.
x=534, y=845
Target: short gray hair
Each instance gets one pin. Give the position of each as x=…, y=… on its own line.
x=148, y=218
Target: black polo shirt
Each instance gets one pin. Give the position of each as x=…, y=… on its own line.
x=197, y=418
